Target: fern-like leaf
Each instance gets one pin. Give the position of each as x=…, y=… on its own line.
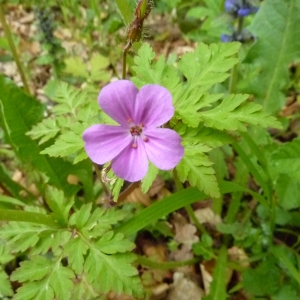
x=209, y=65
x=111, y=244
x=40, y=274
x=115, y=271
x=68, y=98
x=148, y=71
x=45, y=130
x=5, y=287
x=196, y=167
x=234, y=112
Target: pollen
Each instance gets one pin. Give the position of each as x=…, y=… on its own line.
x=134, y=145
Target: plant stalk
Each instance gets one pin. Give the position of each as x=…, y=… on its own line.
x=13, y=49
x=26, y=216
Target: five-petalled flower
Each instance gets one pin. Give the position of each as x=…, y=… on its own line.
x=139, y=137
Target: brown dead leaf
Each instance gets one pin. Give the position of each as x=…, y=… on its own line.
x=238, y=254
x=184, y=288
x=137, y=196
x=206, y=215
x=185, y=235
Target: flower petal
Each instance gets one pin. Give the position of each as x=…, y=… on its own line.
x=163, y=147
x=153, y=106
x=132, y=163
x=104, y=142
x=117, y=100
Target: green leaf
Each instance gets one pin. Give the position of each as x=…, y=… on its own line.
x=209, y=65
x=233, y=112
x=84, y=290
x=148, y=71
x=59, y=204
x=287, y=190
x=196, y=167
x=218, y=285
x=187, y=109
x=286, y=292
x=66, y=144
x=16, y=105
x=284, y=255
x=33, y=291
x=5, y=255
x=115, y=271
x=264, y=279
x=5, y=287
x=102, y=220
x=35, y=269
x=116, y=188
x=46, y=130
x=275, y=27
x=149, y=178
x=285, y=166
x=125, y=7
x=76, y=67
x=21, y=236
x=160, y=209
x=61, y=281
x=76, y=249
x=10, y=200
x=111, y=243
x=80, y=217
x=40, y=274
x=98, y=65
x=69, y=99
x=286, y=159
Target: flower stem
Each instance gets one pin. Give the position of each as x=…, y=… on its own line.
x=13, y=49
x=125, y=50
x=105, y=189
x=26, y=216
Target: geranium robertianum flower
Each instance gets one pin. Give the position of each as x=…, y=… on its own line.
x=138, y=138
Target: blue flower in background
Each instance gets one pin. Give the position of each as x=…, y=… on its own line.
x=242, y=37
x=226, y=38
x=240, y=8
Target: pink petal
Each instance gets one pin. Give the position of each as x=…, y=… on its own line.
x=163, y=147
x=153, y=106
x=132, y=163
x=104, y=142
x=117, y=100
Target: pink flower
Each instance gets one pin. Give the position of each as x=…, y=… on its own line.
x=137, y=139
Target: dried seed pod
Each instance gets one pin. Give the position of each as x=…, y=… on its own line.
x=143, y=9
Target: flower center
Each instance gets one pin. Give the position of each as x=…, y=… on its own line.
x=137, y=132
